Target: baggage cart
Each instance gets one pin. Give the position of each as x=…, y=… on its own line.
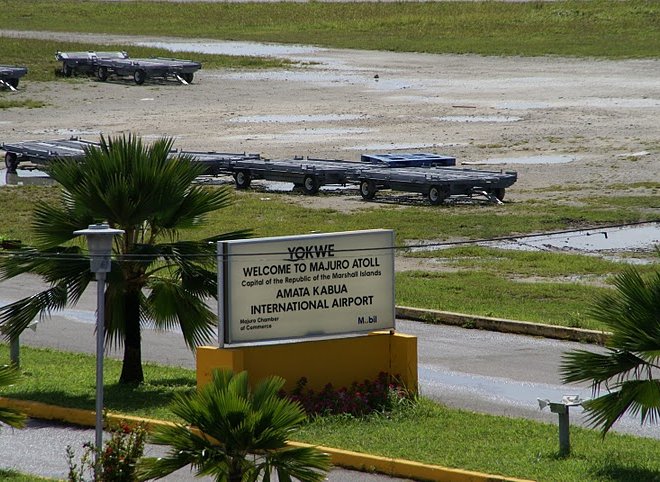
x=142, y=69
x=436, y=183
x=40, y=153
x=74, y=63
x=414, y=159
x=10, y=75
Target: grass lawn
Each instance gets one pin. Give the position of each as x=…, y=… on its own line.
x=531, y=286
x=424, y=432
x=596, y=28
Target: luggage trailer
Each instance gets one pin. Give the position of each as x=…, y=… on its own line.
x=306, y=174
x=143, y=69
x=216, y=163
x=414, y=159
x=10, y=75
x=84, y=62
x=436, y=183
x=42, y=152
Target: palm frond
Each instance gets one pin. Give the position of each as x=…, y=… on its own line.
x=632, y=312
x=583, y=365
x=635, y=397
x=8, y=376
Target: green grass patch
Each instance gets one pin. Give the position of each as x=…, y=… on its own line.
x=424, y=432
x=487, y=294
x=39, y=56
x=598, y=28
x=282, y=214
x=13, y=476
x=25, y=103
x=69, y=380
x=433, y=434
x=517, y=264
x=528, y=286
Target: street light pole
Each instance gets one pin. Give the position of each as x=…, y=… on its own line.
x=99, y=239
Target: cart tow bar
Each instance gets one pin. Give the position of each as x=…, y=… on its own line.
x=11, y=87
x=491, y=197
x=181, y=79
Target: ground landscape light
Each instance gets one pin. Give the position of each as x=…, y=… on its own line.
x=561, y=408
x=99, y=240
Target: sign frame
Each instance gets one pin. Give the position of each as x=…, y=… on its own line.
x=343, y=281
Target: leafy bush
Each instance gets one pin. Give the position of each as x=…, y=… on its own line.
x=117, y=459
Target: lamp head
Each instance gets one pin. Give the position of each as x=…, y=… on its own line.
x=99, y=240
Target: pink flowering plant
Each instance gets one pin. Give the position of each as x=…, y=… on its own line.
x=379, y=395
x=117, y=458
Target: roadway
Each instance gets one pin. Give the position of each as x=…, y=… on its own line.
x=477, y=370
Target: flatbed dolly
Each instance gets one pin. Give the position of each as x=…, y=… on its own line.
x=437, y=183
x=413, y=159
x=306, y=174
x=143, y=69
x=42, y=152
x=84, y=62
x=10, y=75
x=216, y=163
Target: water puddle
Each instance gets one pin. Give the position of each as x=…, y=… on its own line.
x=522, y=105
x=234, y=48
x=399, y=147
x=629, y=238
x=311, y=131
x=544, y=159
x=25, y=177
x=286, y=119
x=605, y=242
x=479, y=118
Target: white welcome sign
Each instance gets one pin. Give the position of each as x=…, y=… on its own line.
x=318, y=285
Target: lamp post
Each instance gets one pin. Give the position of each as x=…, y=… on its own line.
x=99, y=240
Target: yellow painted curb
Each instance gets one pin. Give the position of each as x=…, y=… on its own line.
x=341, y=458
x=503, y=325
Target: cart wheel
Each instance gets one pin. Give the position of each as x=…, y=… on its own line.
x=188, y=77
x=102, y=74
x=242, y=179
x=437, y=195
x=311, y=185
x=11, y=161
x=139, y=76
x=12, y=82
x=67, y=70
x=368, y=189
x=498, y=193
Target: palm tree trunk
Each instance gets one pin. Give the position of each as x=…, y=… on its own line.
x=131, y=371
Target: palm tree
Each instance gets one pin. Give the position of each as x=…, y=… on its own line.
x=155, y=277
x=8, y=376
x=629, y=367
x=242, y=434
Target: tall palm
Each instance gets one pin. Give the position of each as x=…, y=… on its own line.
x=242, y=434
x=629, y=368
x=155, y=276
x=8, y=376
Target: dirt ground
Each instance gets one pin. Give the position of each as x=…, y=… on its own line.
x=574, y=126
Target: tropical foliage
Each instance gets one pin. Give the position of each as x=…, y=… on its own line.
x=149, y=193
x=242, y=434
x=629, y=366
x=8, y=376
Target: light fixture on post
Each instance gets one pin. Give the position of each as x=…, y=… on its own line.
x=99, y=240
